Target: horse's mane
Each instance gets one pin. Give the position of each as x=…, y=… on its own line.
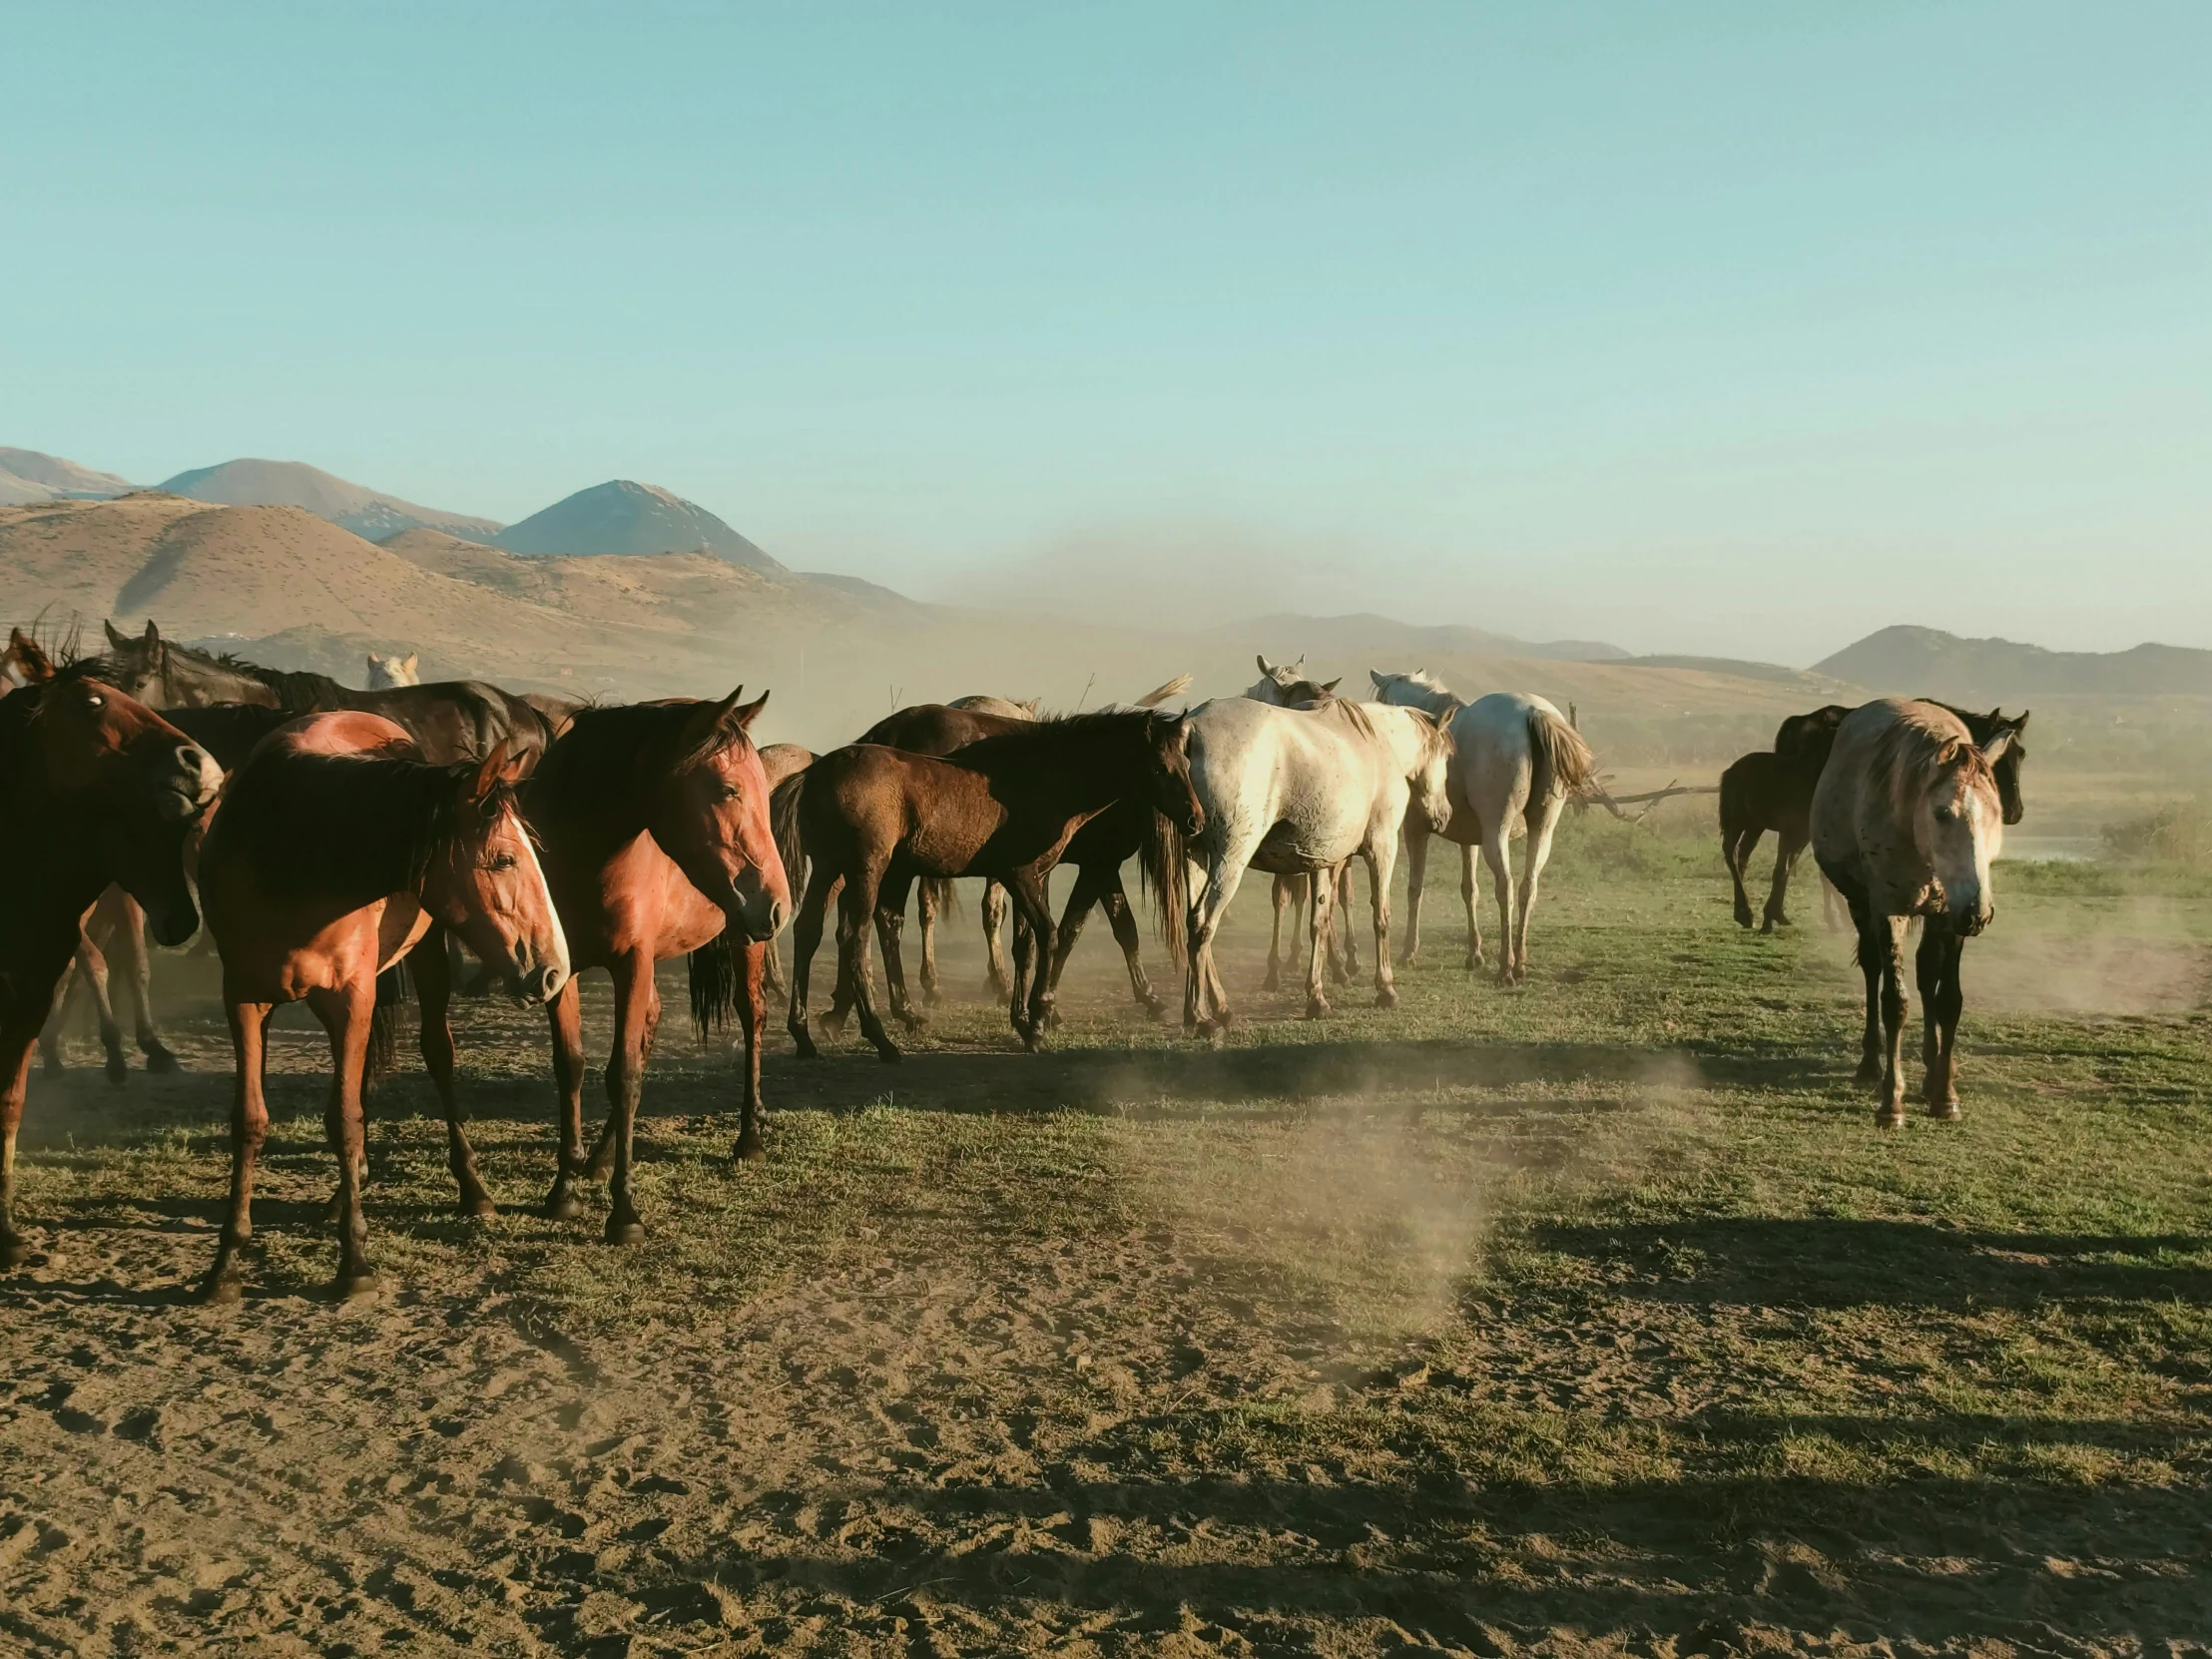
x=298, y=690
x=1354, y=714
x=352, y=828
x=1051, y=732
x=1918, y=746
x=599, y=752
x=1420, y=678
x=1981, y=728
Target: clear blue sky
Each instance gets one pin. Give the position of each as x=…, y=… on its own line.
x=1736, y=328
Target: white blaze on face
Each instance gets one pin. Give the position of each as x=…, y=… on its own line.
x=559, y=956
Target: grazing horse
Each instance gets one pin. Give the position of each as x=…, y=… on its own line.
x=97, y=790
x=1129, y=828
x=389, y=673
x=1772, y=789
x=1905, y=820
x=1516, y=759
x=654, y=820
x=336, y=850
x=1298, y=791
x=450, y=721
x=878, y=819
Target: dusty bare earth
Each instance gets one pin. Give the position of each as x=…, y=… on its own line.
x=1591, y=1319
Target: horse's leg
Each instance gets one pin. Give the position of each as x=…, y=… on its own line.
x=16, y=1042
x=50, y=1034
x=1497, y=853
x=1736, y=848
x=1542, y=822
x=1287, y=890
x=1787, y=844
x=1381, y=861
x=93, y=978
x=346, y=1014
x=994, y=916
x=1870, y=931
x=1890, y=1112
x=565, y=1016
x=434, y=981
x=1941, y=1001
x=1416, y=873
x=890, y=923
x=840, y=992
x=1205, y=998
x=853, y=910
x=1319, y=922
x=128, y=927
x=1034, y=945
x=1340, y=931
x=1467, y=898
x=1120, y=916
x=806, y=941
x=637, y=1012
x=926, y=903
x=1089, y=888
x=226, y=1281
x=1834, y=912
x=752, y=1020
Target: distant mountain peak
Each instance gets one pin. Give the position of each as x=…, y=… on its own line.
x=26, y=473
x=372, y=514
x=624, y=516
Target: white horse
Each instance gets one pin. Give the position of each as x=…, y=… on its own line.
x=1906, y=820
x=1298, y=791
x=1516, y=759
x=387, y=673
x=1284, y=686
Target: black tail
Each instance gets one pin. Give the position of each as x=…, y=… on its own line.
x=791, y=841
x=714, y=972
x=944, y=893
x=383, y=1025
x=1164, y=867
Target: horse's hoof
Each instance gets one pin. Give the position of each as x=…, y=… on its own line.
x=477, y=1207
x=561, y=1205
x=1870, y=1071
x=1887, y=1117
x=624, y=1232
x=750, y=1150
x=1153, y=1008
x=1386, y=999
x=159, y=1059
x=223, y=1287
x=354, y=1282
x=1272, y=982
x=931, y=997
x=805, y=1046
x=888, y=1053
x=1944, y=1111
x=118, y=1070
x=1318, y=1008
x=13, y=1252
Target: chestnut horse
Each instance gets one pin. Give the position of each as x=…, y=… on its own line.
x=1772, y=789
x=336, y=850
x=876, y=818
x=653, y=818
x=97, y=790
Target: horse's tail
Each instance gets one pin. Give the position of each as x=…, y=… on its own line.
x=943, y=893
x=714, y=971
x=785, y=827
x=383, y=1024
x=1163, y=865
x=1562, y=762
x=1159, y=694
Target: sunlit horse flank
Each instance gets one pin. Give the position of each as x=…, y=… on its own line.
x=1283, y=686
x=1516, y=762
x=336, y=850
x=1907, y=819
x=1298, y=791
x=97, y=790
x=653, y=818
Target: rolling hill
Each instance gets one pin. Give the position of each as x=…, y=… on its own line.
x=1910, y=660
x=624, y=517
x=30, y=476
x=368, y=513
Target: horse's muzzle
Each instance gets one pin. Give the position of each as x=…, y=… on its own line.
x=539, y=984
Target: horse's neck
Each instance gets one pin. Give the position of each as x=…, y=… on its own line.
x=1067, y=779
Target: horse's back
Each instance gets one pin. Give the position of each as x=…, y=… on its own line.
x=1257, y=766
x=348, y=732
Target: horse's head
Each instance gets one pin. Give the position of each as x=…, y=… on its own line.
x=710, y=814
x=139, y=784
x=390, y=673
x=1417, y=689
x=1802, y=741
x=1961, y=830
x=1431, y=779
x=484, y=880
x=1168, y=783
x=1284, y=684
x=2000, y=741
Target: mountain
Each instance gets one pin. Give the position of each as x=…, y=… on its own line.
x=620, y=516
x=1908, y=660
x=54, y=476
x=1409, y=645
x=368, y=513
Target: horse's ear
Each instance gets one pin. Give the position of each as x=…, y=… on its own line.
x=30, y=656
x=409, y=662
x=2020, y=725
x=1264, y=665
x=375, y=662
x=1994, y=750
x=490, y=775
x=1033, y=704
x=116, y=636
x=1379, y=677
x=743, y=717
x=1333, y=684
x=153, y=634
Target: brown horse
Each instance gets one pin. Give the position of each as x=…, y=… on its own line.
x=655, y=822
x=1128, y=829
x=878, y=819
x=97, y=788
x=1772, y=789
x=337, y=848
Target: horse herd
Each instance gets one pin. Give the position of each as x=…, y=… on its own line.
x=329, y=835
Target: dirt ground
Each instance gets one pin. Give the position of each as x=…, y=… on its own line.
x=1588, y=1318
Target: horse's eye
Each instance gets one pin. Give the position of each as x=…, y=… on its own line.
x=500, y=861
x=96, y=702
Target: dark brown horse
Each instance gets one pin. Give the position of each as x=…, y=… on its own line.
x=879, y=819
x=336, y=850
x=653, y=818
x=449, y=721
x=94, y=789
x=1772, y=789
x=1129, y=828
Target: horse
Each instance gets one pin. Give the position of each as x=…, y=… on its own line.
x=654, y=820
x=779, y=763
x=337, y=849
x=99, y=790
x=1128, y=829
x=876, y=819
x=1772, y=789
x=389, y=673
x=1301, y=791
x=915, y=730
x=1281, y=686
x=450, y=720
x=1907, y=819
x=1515, y=761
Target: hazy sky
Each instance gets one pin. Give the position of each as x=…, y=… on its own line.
x=1739, y=328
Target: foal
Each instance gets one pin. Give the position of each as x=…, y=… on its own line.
x=1773, y=790
x=337, y=849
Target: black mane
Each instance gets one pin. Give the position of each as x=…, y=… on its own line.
x=598, y=754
